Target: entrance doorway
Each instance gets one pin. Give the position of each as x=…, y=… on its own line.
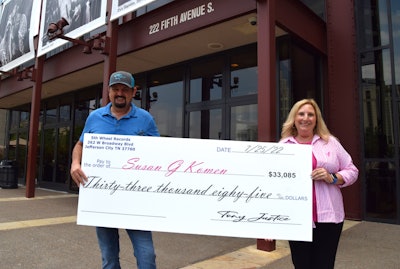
x=55, y=138
x=209, y=98
x=299, y=75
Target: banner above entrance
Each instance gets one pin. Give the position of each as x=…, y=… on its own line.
x=19, y=23
x=123, y=7
x=82, y=17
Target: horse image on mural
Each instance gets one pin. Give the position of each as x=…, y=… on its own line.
x=14, y=30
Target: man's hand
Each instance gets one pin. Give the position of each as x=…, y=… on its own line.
x=77, y=174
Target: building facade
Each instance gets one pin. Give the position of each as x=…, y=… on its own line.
x=224, y=70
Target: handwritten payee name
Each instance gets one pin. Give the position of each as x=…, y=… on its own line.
x=174, y=167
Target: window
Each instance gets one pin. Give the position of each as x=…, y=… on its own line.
x=206, y=80
x=373, y=24
x=164, y=100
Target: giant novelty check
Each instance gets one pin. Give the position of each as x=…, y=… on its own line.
x=197, y=186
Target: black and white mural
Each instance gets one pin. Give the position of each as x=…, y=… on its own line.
x=123, y=7
x=83, y=16
x=19, y=24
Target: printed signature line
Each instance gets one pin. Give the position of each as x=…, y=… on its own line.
x=122, y=214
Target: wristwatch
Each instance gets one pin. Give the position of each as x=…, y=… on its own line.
x=334, y=178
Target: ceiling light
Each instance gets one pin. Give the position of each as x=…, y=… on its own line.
x=215, y=46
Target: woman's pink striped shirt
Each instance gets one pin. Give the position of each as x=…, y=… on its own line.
x=335, y=159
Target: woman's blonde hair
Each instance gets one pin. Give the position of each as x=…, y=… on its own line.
x=289, y=129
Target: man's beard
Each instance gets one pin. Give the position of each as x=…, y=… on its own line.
x=120, y=105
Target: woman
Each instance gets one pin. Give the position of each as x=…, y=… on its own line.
x=332, y=170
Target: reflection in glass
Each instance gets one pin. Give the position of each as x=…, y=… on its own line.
x=85, y=104
x=82, y=111
x=244, y=74
x=22, y=150
x=205, y=124
x=377, y=105
x=24, y=122
x=63, y=145
x=137, y=102
x=65, y=113
x=166, y=103
x=48, y=154
x=373, y=24
x=18, y=141
x=299, y=76
x=244, y=123
x=244, y=81
x=12, y=150
x=206, y=81
x=285, y=99
x=14, y=119
x=395, y=5
x=381, y=190
x=51, y=115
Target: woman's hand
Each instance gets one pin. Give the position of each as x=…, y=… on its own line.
x=321, y=174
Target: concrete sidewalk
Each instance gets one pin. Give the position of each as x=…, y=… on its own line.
x=41, y=233
x=363, y=245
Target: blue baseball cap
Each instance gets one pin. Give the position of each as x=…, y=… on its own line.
x=122, y=77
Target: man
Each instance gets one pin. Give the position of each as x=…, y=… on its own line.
x=120, y=117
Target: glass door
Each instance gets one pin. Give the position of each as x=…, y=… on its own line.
x=163, y=98
x=205, y=124
x=299, y=75
x=205, y=100
x=222, y=97
x=56, y=144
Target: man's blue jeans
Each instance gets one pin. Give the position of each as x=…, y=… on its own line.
x=142, y=243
